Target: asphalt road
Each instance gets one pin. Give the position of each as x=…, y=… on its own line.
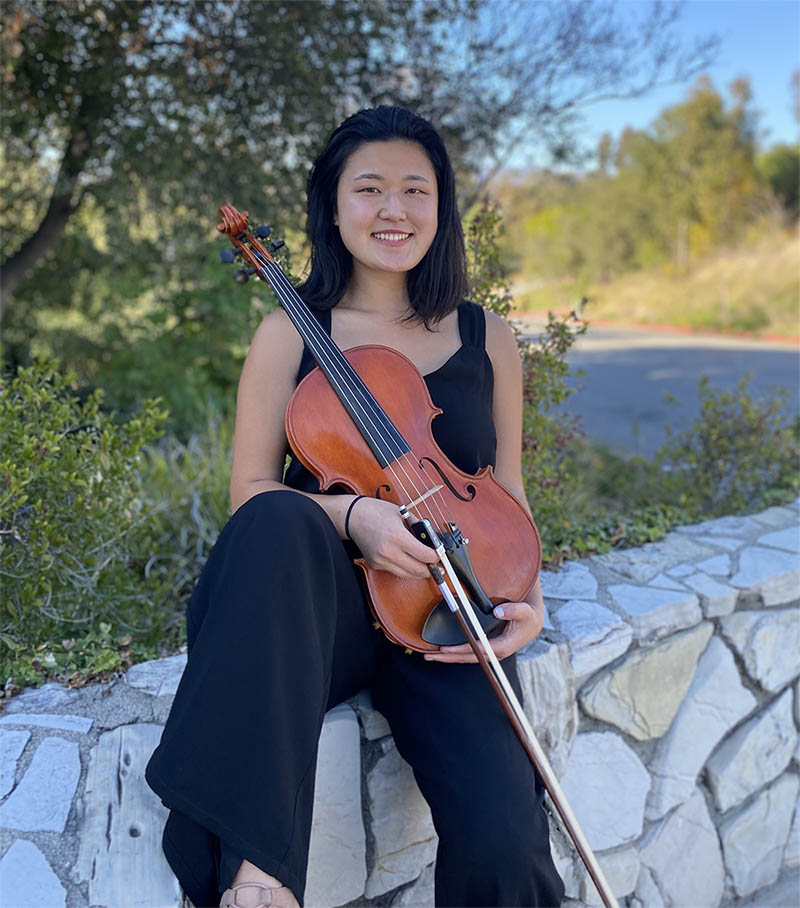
x=621, y=395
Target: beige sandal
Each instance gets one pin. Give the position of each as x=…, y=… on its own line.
x=275, y=896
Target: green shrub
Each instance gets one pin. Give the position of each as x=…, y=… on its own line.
x=738, y=454
x=547, y=432
x=71, y=515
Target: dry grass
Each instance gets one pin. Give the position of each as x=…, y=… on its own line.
x=753, y=289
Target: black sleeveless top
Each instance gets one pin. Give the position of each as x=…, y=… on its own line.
x=462, y=387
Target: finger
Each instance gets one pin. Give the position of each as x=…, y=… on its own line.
x=411, y=568
x=420, y=551
x=514, y=611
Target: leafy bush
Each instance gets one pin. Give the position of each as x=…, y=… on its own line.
x=71, y=513
x=104, y=529
x=738, y=454
x=547, y=432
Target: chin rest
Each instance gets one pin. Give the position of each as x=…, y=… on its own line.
x=442, y=628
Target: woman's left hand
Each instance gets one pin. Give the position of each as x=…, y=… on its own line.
x=523, y=623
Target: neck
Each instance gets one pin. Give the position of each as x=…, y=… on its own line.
x=379, y=293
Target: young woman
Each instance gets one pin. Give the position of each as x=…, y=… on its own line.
x=279, y=630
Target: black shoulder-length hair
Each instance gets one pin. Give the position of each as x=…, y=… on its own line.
x=438, y=283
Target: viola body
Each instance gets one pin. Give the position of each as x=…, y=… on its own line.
x=503, y=542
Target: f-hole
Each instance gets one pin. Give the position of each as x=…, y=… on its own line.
x=470, y=488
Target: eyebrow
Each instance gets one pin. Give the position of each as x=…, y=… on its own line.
x=377, y=176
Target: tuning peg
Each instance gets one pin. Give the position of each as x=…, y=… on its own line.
x=241, y=275
x=274, y=247
x=262, y=231
x=227, y=256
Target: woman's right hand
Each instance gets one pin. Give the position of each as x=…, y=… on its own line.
x=385, y=541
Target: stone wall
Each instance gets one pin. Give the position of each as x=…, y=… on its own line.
x=665, y=690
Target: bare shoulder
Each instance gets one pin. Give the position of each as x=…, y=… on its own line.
x=501, y=342
x=278, y=337
x=265, y=387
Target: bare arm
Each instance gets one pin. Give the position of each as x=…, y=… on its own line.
x=503, y=350
x=266, y=384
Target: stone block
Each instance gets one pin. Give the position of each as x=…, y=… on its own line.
x=120, y=822
x=420, y=894
x=665, y=582
x=682, y=853
x=787, y=539
x=776, y=516
x=656, y=613
x=158, y=677
x=771, y=574
x=402, y=827
x=753, y=755
x=647, y=894
x=12, y=743
x=621, y=870
x=797, y=702
x=43, y=797
x=40, y=699
x=27, y=880
x=753, y=840
x=642, y=564
x=681, y=570
x=791, y=853
x=80, y=724
x=596, y=635
x=566, y=863
x=642, y=694
x=374, y=723
x=606, y=785
x=768, y=643
x=573, y=581
x=783, y=894
x=715, y=702
x=743, y=527
x=337, y=868
x=724, y=542
x=716, y=598
x=548, y=695
x=718, y=565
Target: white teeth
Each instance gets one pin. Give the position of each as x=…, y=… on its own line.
x=391, y=236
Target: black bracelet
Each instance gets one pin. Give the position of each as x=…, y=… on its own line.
x=347, y=517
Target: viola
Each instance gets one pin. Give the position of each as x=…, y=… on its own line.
x=361, y=420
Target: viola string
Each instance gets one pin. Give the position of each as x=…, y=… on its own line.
x=360, y=401
x=312, y=325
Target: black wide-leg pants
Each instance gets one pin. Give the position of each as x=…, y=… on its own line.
x=279, y=632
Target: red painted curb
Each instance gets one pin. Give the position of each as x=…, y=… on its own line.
x=666, y=328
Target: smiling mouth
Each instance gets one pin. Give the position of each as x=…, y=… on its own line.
x=392, y=237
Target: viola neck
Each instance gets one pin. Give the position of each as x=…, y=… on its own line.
x=379, y=432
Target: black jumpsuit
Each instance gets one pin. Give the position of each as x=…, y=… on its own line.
x=279, y=632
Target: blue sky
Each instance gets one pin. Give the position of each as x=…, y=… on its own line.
x=758, y=38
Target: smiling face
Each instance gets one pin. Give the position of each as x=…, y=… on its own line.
x=386, y=206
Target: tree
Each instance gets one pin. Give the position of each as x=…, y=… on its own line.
x=780, y=166
x=672, y=191
x=184, y=101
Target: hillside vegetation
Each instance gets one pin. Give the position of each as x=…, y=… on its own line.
x=686, y=223
x=754, y=289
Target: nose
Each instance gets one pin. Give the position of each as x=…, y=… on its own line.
x=393, y=208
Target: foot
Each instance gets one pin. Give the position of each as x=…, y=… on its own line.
x=252, y=888
x=255, y=895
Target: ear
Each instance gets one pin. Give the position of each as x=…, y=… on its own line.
x=335, y=219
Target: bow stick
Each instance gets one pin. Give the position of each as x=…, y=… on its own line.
x=479, y=642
